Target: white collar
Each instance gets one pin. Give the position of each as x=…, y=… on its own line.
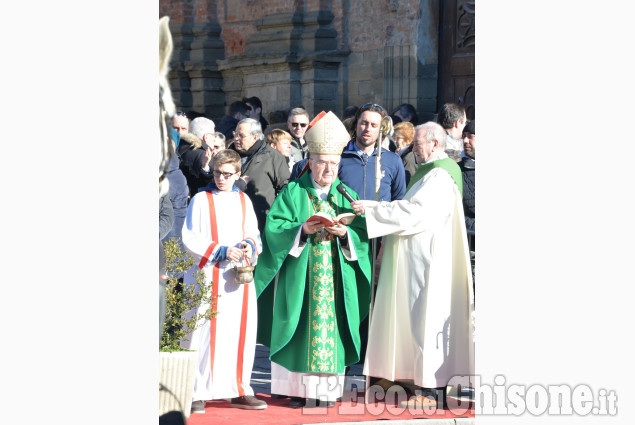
x=322, y=191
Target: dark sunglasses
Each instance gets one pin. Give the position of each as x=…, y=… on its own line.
x=301, y=124
x=373, y=107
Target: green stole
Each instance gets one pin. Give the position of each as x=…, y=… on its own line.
x=448, y=164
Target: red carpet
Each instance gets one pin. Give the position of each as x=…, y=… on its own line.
x=278, y=412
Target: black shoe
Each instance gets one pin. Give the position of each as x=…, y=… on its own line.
x=297, y=402
x=311, y=402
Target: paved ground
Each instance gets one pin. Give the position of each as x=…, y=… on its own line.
x=261, y=383
x=261, y=374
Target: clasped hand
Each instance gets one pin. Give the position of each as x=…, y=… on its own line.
x=235, y=253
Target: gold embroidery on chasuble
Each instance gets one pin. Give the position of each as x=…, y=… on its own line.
x=323, y=326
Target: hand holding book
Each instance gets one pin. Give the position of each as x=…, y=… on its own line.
x=327, y=220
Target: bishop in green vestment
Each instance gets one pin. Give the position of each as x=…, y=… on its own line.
x=312, y=280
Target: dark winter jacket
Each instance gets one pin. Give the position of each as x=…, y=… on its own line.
x=409, y=162
x=263, y=123
x=359, y=175
x=298, y=167
x=469, y=199
x=179, y=196
x=298, y=152
x=166, y=216
x=268, y=172
x=191, y=164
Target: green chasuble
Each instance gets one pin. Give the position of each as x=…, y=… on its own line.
x=448, y=164
x=312, y=324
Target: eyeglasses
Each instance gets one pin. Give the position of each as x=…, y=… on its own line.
x=217, y=174
x=323, y=164
x=181, y=114
x=240, y=136
x=373, y=107
x=301, y=124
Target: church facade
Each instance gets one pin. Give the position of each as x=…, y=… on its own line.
x=322, y=55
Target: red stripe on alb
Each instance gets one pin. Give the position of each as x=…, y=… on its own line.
x=215, y=278
x=241, y=341
x=208, y=254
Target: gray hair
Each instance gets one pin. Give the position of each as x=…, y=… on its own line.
x=255, y=127
x=434, y=132
x=297, y=111
x=201, y=126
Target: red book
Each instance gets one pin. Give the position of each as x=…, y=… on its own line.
x=344, y=218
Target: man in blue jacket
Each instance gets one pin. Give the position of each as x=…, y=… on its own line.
x=357, y=166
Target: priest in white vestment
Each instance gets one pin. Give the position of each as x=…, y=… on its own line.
x=421, y=328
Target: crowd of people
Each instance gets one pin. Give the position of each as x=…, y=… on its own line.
x=350, y=266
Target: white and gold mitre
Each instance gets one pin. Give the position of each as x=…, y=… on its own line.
x=326, y=135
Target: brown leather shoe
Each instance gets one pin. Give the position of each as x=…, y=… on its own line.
x=248, y=402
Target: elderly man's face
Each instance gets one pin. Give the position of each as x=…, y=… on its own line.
x=181, y=124
x=324, y=168
x=422, y=149
x=297, y=125
x=368, y=128
x=243, y=139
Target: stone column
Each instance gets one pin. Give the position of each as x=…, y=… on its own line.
x=291, y=60
x=195, y=79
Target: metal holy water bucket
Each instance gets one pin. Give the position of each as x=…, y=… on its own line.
x=242, y=273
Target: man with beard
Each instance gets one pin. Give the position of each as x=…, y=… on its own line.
x=264, y=169
x=357, y=168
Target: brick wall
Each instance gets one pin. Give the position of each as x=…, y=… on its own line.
x=371, y=24
x=383, y=36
